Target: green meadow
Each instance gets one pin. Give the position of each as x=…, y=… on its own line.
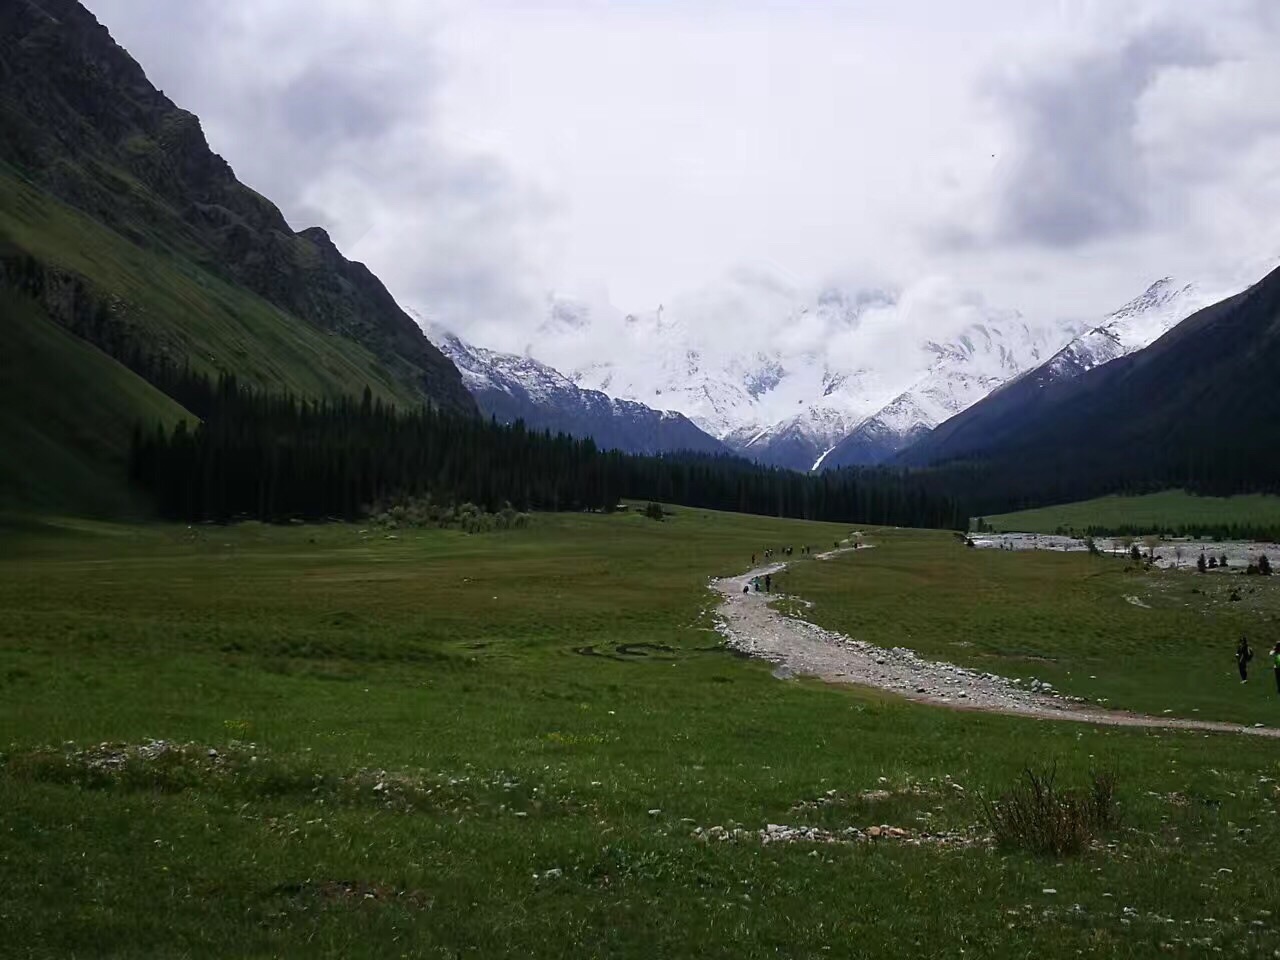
x=428, y=743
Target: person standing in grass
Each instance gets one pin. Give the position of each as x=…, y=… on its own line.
x=1275, y=656
x=1243, y=656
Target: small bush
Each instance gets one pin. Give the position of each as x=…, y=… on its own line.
x=1038, y=815
x=654, y=511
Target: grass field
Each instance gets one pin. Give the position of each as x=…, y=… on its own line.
x=499, y=745
x=1167, y=510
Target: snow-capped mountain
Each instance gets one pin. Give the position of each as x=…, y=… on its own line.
x=1140, y=322
x=1136, y=325
x=823, y=381
x=712, y=362
x=965, y=370
x=783, y=379
x=511, y=388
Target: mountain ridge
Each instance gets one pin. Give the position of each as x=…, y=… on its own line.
x=1190, y=410
x=511, y=387
x=791, y=402
x=1132, y=327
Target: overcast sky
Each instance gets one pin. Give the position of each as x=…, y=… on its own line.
x=1051, y=156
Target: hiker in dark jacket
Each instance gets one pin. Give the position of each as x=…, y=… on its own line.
x=1243, y=656
x=1275, y=657
x=768, y=583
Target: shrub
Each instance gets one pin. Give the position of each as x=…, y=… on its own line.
x=1038, y=815
x=415, y=512
x=654, y=511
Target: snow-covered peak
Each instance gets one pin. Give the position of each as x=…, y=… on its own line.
x=490, y=369
x=1137, y=324
x=1146, y=318
x=513, y=387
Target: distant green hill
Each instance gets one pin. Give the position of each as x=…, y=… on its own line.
x=121, y=227
x=1174, y=510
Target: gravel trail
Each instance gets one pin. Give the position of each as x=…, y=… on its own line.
x=805, y=649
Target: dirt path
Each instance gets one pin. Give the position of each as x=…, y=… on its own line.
x=805, y=649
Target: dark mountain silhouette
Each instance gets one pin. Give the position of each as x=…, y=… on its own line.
x=1193, y=409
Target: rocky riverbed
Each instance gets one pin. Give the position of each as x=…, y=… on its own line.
x=1170, y=554
x=750, y=624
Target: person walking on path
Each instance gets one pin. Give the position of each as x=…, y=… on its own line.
x=768, y=588
x=1243, y=656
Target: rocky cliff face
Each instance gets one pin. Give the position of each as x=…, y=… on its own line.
x=80, y=120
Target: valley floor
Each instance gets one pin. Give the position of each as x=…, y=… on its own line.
x=338, y=741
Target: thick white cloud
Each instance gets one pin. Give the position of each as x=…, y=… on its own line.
x=481, y=155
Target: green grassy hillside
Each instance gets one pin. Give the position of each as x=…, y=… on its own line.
x=1171, y=509
x=67, y=411
x=70, y=408
x=170, y=306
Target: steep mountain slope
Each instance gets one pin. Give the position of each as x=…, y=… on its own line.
x=1193, y=409
x=964, y=371
x=512, y=388
x=1138, y=323
x=1134, y=326
x=66, y=414
x=179, y=257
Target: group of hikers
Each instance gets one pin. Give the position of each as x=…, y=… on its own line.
x=1244, y=654
x=805, y=550
x=768, y=554
x=785, y=551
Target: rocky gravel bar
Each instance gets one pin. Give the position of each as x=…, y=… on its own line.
x=750, y=625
